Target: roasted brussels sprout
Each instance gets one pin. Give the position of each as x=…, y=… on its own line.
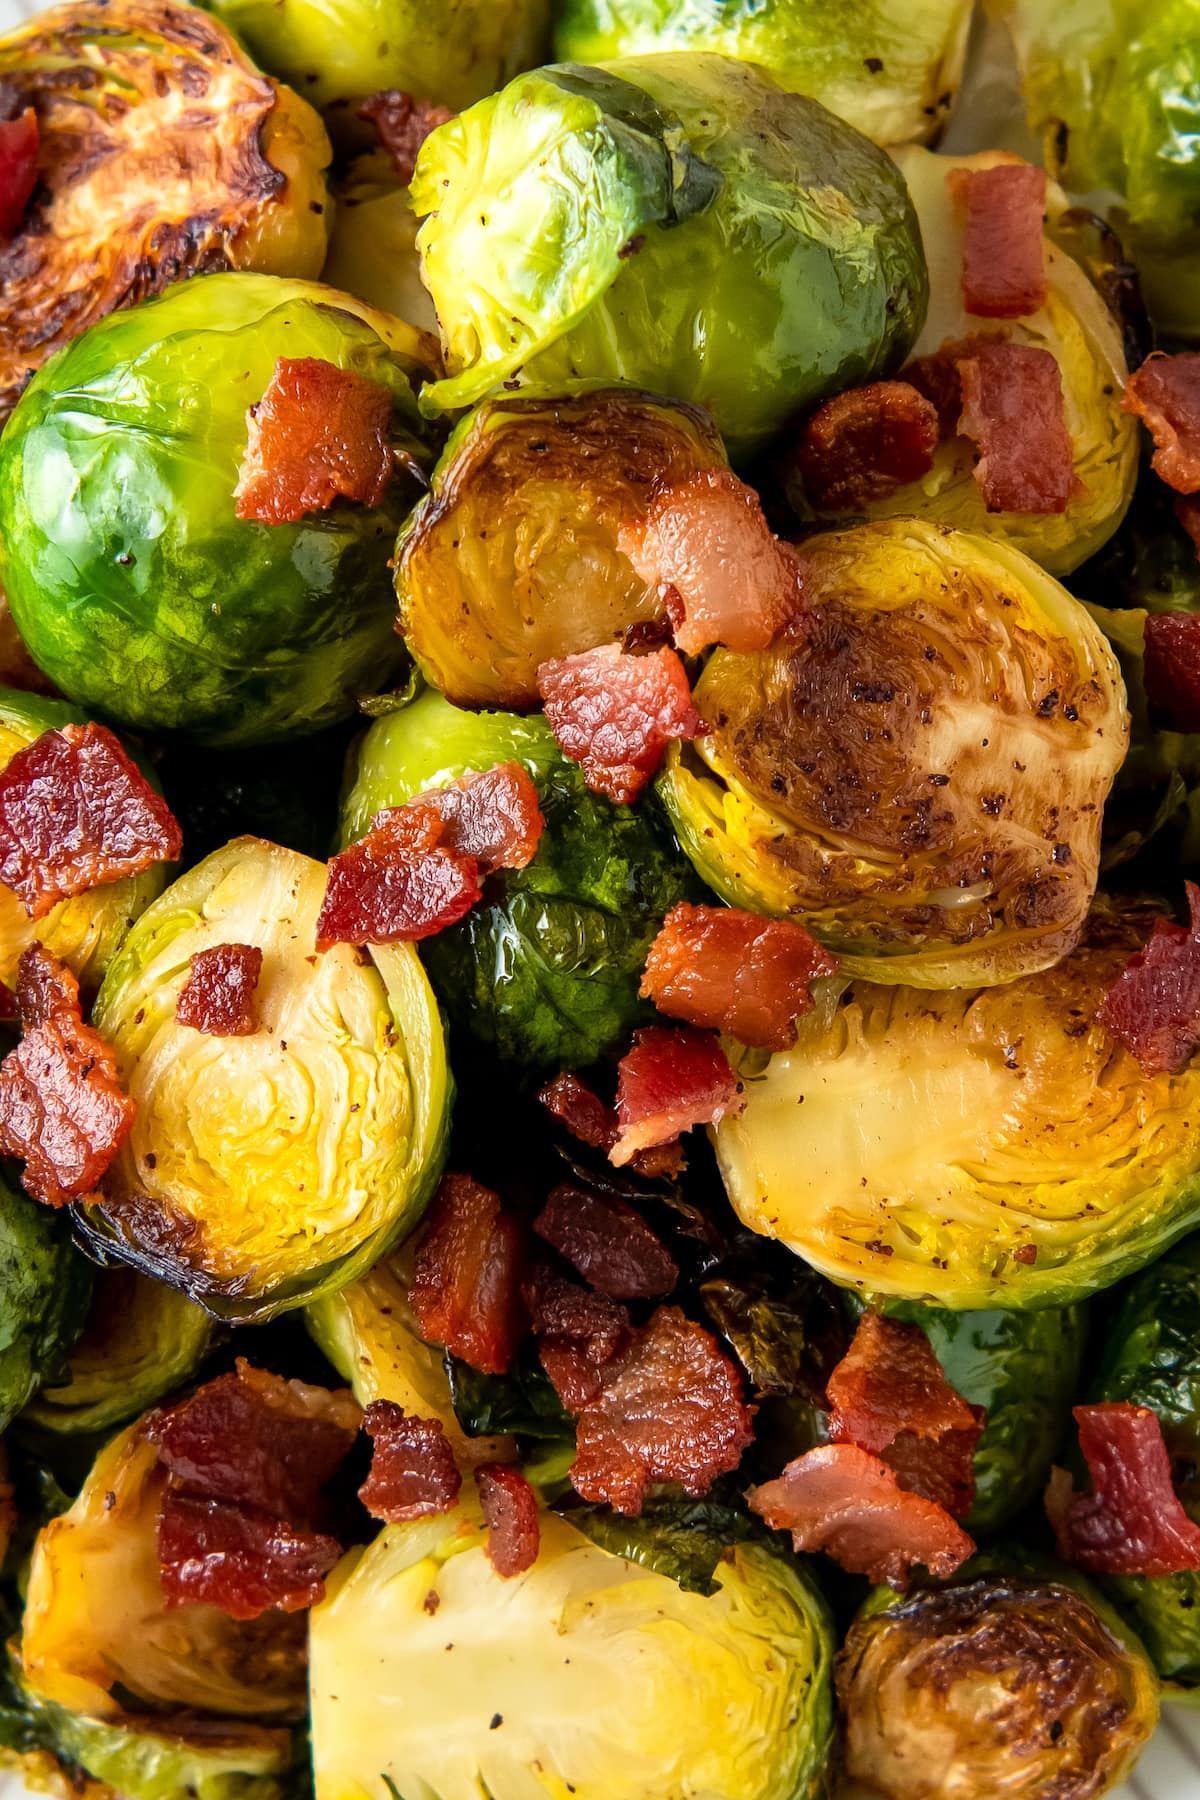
x=677, y=222
x=887, y=67
x=921, y=776
x=547, y=968
x=974, y=1148
x=1009, y=1680
x=44, y=1290
x=614, y=1684
x=373, y=245
x=134, y=584
x=262, y=1170
x=139, y=183
x=513, y=557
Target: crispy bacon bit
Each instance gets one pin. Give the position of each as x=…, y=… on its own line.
x=573, y=1375
x=466, y=1279
x=936, y=376
x=400, y=882
x=511, y=1510
x=864, y=444
x=1154, y=1004
x=62, y=1107
x=8, y=1004
x=494, y=817
x=318, y=434
x=402, y=124
x=1165, y=395
x=723, y=575
x=1172, y=669
x=848, y=1503
x=735, y=971
x=218, y=996
x=76, y=812
x=670, y=1408
x=1013, y=413
x=615, y=714
x=560, y=1308
x=18, y=168
x=1003, y=268
x=668, y=1082
x=608, y=1242
x=1132, y=1523
x=413, y=1471
x=238, y=1558
x=587, y=1118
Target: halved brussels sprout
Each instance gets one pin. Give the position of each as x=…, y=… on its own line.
x=136, y=587
x=44, y=1291
x=974, y=1148
x=889, y=67
x=164, y=152
x=586, y=1675
x=513, y=558
x=677, y=222
x=261, y=1170
x=547, y=968
x=920, y=777
x=373, y=245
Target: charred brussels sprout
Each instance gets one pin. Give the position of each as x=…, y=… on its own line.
x=887, y=66
x=137, y=588
x=920, y=776
x=677, y=222
x=264, y=1169
x=44, y=1289
x=729, y=1695
x=975, y=1148
x=1005, y=1681
x=547, y=968
x=513, y=557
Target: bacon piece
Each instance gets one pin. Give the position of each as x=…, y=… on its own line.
x=1165, y=395
x=669, y=1408
x=466, y=1279
x=586, y=1117
x=218, y=996
x=19, y=140
x=1172, y=669
x=1153, y=1006
x=572, y=1373
x=724, y=576
x=1013, y=413
x=413, y=1471
x=1003, y=268
x=559, y=1308
x=318, y=434
x=76, y=812
x=615, y=714
x=402, y=124
x=511, y=1511
x=608, y=1242
x=1132, y=1523
x=846, y=1502
x=668, y=1082
x=936, y=376
x=238, y=1558
x=62, y=1107
x=735, y=971
x=400, y=882
x=862, y=445
x=8, y=1004
x=494, y=817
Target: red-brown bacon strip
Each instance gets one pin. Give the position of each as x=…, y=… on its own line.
x=668, y=1082
x=76, y=812
x=578, y=1331
x=1013, y=413
x=1003, y=268
x=218, y=996
x=511, y=1511
x=238, y=1558
x=466, y=1278
x=735, y=971
x=609, y=1243
x=862, y=445
x=615, y=713
x=413, y=1471
x=494, y=817
x=1132, y=1523
x=586, y=1117
x=1165, y=395
x=402, y=124
x=18, y=168
x=1172, y=669
x=1153, y=1006
x=400, y=882
x=318, y=434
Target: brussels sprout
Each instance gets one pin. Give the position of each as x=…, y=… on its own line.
x=677, y=222
x=261, y=1170
x=373, y=245
x=611, y=1683
x=862, y=776
x=973, y=1148
x=888, y=67
x=1014, y=1678
x=44, y=1290
x=134, y=584
x=513, y=557
x=547, y=968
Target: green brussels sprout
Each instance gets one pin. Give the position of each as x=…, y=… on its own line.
x=888, y=67
x=373, y=244
x=135, y=586
x=262, y=1170
x=84, y=931
x=1015, y=1678
x=862, y=778
x=141, y=1341
x=677, y=222
x=974, y=1148
x=547, y=967
x=44, y=1291
x=613, y=1683
x=513, y=558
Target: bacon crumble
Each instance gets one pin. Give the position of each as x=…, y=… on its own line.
x=402, y=124
x=511, y=1511
x=668, y=1082
x=1171, y=669
x=1013, y=413
x=413, y=1471
x=19, y=144
x=238, y=1559
x=863, y=444
x=1165, y=394
x=614, y=714
x=586, y=1117
x=1132, y=1523
x=465, y=1290
x=318, y=434
x=1153, y=1006
x=494, y=817
x=402, y=881
x=736, y=972
x=218, y=996
x=1003, y=266
x=608, y=1242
